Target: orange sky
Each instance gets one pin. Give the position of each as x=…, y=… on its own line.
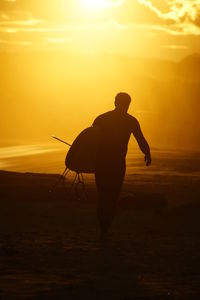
x=157, y=28
x=63, y=61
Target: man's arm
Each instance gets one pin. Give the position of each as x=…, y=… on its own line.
x=144, y=146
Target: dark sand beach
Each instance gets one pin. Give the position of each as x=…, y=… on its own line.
x=50, y=248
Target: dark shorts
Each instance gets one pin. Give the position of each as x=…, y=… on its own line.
x=109, y=178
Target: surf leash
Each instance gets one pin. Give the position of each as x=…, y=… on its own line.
x=56, y=138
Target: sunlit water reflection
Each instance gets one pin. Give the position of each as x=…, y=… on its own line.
x=50, y=159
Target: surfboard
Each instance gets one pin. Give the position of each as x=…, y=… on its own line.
x=81, y=156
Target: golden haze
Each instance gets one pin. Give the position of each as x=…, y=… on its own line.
x=63, y=62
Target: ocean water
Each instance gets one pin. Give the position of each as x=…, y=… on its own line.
x=48, y=158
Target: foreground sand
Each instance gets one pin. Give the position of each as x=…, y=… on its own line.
x=49, y=246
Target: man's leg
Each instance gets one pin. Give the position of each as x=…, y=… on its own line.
x=106, y=210
x=108, y=188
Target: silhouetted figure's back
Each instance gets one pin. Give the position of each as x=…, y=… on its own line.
x=115, y=128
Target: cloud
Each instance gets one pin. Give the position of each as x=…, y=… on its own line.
x=24, y=26
x=153, y=8
x=182, y=16
x=165, y=23
x=30, y=22
x=55, y=40
x=22, y=43
x=175, y=47
x=180, y=11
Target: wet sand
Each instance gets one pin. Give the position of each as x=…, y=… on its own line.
x=49, y=245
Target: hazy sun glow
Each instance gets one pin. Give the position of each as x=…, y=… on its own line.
x=102, y=47
x=100, y=4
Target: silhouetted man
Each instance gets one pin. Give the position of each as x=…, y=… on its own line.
x=115, y=129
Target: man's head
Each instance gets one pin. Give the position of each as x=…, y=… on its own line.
x=122, y=102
